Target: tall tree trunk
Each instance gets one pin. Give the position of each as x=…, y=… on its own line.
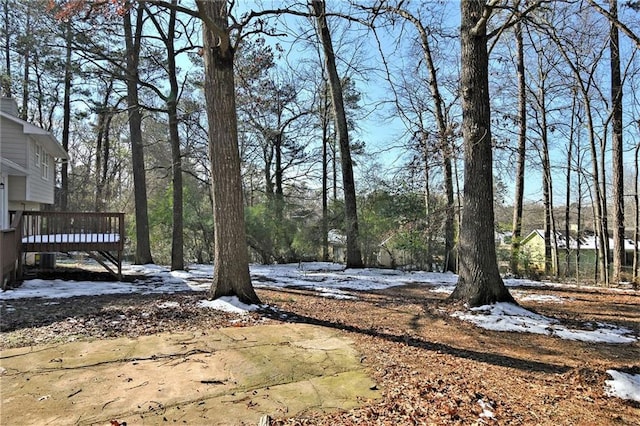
x=132, y=41
x=636, y=232
x=231, y=258
x=546, y=181
x=578, y=210
x=450, y=264
x=279, y=175
x=6, y=79
x=325, y=174
x=479, y=280
x=66, y=122
x=102, y=148
x=567, y=204
x=24, y=114
x=40, y=92
x=604, y=222
x=177, y=240
x=354, y=255
x=522, y=147
x=427, y=203
x=598, y=196
x=616, y=145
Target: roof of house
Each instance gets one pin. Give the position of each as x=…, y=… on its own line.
x=587, y=242
x=45, y=138
x=13, y=168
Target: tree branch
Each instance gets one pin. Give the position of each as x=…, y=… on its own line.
x=486, y=14
x=622, y=27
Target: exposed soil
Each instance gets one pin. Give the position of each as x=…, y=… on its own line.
x=430, y=367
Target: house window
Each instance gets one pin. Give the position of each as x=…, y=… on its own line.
x=38, y=155
x=45, y=166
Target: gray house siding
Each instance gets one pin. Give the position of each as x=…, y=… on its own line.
x=14, y=143
x=34, y=150
x=17, y=188
x=41, y=190
x=34, y=187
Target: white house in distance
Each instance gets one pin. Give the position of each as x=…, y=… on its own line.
x=27, y=163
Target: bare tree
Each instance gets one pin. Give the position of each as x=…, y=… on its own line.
x=66, y=122
x=444, y=134
x=354, y=256
x=522, y=147
x=7, y=31
x=571, y=51
x=636, y=233
x=133, y=36
x=479, y=281
x=231, y=259
x=617, y=148
x=168, y=36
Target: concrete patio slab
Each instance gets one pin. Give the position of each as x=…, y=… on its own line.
x=230, y=376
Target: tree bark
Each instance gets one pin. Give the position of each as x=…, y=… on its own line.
x=636, y=232
x=132, y=41
x=479, y=280
x=66, y=122
x=231, y=260
x=24, y=114
x=567, y=204
x=522, y=147
x=103, y=146
x=354, y=255
x=547, y=194
x=616, y=145
x=325, y=173
x=177, y=240
x=598, y=197
x=6, y=79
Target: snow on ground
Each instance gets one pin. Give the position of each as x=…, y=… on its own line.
x=523, y=296
x=229, y=304
x=509, y=317
x=332, y=280
x=623, y=385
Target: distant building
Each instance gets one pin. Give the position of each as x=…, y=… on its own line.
x=337, y=246
x=533, y=246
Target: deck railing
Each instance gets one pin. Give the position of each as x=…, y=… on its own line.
x=45, y=231
x=99, y=234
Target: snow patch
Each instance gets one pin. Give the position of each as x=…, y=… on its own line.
x=229, y=304
x=623, y=385
x=510, y=317
x=333, y=293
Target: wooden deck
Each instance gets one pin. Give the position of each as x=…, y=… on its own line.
x=100, y=235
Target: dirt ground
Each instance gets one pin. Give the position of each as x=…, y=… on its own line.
x=430, y=368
